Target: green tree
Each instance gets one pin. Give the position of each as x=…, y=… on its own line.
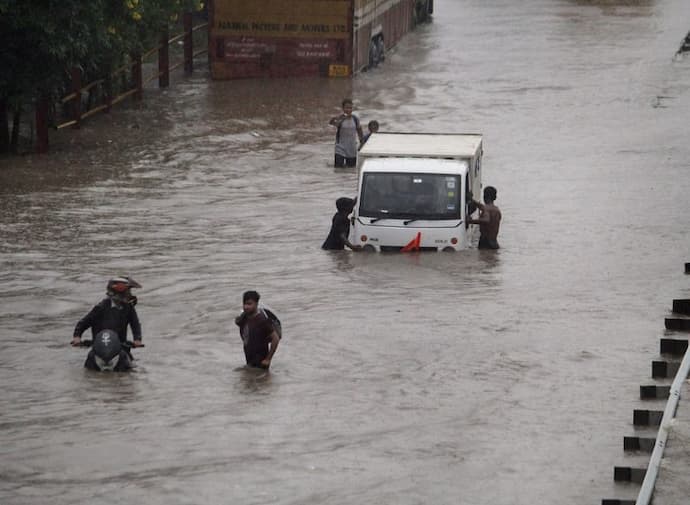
x=40, y=40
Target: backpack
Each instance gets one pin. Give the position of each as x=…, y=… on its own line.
x=337, y=132
x=271, y=315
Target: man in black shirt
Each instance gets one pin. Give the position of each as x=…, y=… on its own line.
x=340, y=228
x=257, y=332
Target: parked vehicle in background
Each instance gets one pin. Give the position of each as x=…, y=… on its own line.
x=279, y=38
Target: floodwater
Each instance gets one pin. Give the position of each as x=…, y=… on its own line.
x=474, y=378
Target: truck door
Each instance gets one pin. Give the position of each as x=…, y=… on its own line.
x=476, y=170
x=469, y=207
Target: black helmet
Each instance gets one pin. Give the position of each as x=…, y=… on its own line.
x=119, y=289
x=106, y=348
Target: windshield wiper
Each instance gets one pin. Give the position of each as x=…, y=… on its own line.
x=426, y=218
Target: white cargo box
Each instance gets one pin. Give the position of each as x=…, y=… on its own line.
x=422, y=145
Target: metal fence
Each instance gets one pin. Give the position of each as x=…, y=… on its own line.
x=124, y=82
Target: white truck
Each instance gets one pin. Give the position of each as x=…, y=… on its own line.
x=414, y=191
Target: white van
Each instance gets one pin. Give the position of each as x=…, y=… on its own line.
x=414, y=191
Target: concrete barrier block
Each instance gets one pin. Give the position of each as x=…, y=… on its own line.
x=664, y=369
x=654, y=392
x=642, y=444
x=643, y=417
x=629, y=474
x=677, y=324
x=673, y=346
x=681, y=306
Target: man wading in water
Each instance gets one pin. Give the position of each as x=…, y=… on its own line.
x=340, y=228
x=259, y=336
x=489, y=220
x=348, y=132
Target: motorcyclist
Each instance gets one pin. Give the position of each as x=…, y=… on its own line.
x=115, y=313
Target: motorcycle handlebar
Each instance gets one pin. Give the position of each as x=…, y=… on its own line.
x=127, y=343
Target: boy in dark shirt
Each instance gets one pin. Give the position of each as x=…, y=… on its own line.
x=340, y=228
x=373, y=127
x=257, y=332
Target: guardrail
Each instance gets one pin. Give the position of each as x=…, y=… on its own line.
x=647, y=490
x=131, y=73
x=666, y=367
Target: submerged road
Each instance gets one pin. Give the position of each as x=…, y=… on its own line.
x=505, y=378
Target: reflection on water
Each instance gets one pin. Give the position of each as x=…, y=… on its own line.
x=490, y=259
x=254, y=380
x=342, y=260
x=400, y=378
x=620, y=7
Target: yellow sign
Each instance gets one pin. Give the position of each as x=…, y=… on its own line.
x=338, y=70
x=279, y=18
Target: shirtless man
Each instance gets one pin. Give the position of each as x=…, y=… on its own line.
x=489, y=220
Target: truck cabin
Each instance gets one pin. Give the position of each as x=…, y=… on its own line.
x=404, y=188
x=412, y=193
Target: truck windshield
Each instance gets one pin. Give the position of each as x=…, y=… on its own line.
x=405, y=196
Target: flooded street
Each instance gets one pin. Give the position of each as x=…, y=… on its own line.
x=476, y=378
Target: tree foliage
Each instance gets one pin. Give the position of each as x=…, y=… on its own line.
x=40, y=40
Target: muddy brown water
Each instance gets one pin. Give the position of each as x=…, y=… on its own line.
x=475, y=378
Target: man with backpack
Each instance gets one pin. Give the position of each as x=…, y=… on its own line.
x=260, y=335
x=348, y=134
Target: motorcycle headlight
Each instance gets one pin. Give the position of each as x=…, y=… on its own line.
x=107, y=365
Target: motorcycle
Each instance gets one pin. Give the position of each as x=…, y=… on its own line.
x=107, y=353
